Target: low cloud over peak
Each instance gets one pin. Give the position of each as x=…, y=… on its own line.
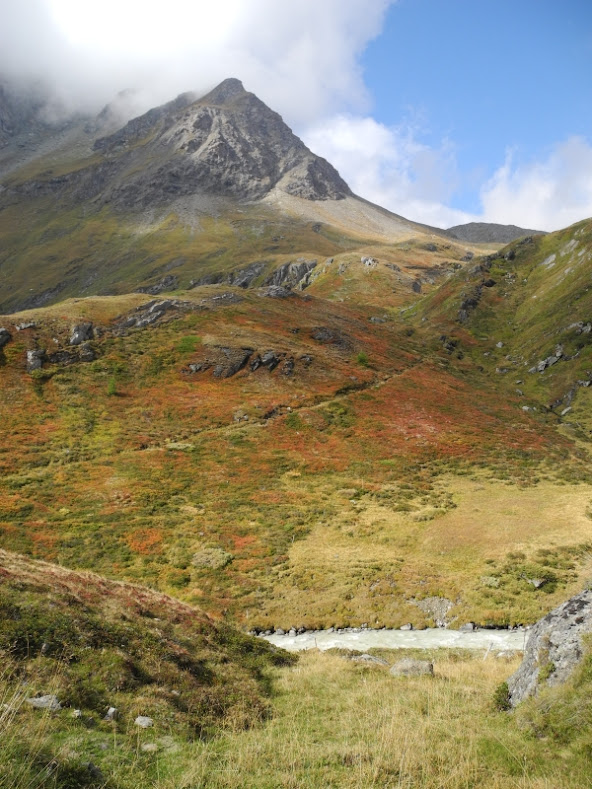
x=302, y=59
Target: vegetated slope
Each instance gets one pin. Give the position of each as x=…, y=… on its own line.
x=191, y=190
x=527, y=312
x=283, y=459
x=490, y=232
x=95, y=644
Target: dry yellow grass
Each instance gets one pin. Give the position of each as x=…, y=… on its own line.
x=373, y=558
x=341, y=724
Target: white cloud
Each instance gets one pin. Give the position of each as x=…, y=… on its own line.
x=301, y=58
x=545, y=195
x=391, y=167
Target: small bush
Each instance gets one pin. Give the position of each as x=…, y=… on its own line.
x=362, y=359
x=501, y=697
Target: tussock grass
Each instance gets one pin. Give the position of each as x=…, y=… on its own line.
x=339, y=724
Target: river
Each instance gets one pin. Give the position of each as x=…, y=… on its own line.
x=430, y=638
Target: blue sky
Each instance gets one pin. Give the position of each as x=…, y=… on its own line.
x=443, y=111
x=488, y=75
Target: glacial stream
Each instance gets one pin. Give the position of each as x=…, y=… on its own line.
x=430, y=638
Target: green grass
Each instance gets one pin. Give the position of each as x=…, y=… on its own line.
x=335, y=723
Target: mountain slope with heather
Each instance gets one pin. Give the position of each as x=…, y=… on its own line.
x=292, y=403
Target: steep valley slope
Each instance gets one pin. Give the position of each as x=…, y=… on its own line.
x=275, y=400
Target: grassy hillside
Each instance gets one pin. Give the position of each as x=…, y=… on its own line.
x=365, y=472
x=96, y=644
x=529, y=304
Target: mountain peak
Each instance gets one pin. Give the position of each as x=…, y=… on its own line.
x=226, y=91
x=227, y=143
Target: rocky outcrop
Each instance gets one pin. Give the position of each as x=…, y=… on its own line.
x=81, y=332
x=242, y=277
x=35, y=359
x=326, y=336
x=154, y=312
x=231, y=360
x=67, y=356
x=293, y=275
x=554, y=648
x=170, y=282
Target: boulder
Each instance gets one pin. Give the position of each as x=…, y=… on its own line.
x=409, y=667
x=554, y=648
x=35, y=360
x=144, y=722
x=81, y=332
x=370, y=262
x=49, y=702
x=270, y=359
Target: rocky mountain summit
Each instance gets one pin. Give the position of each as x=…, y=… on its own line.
x=226, y=143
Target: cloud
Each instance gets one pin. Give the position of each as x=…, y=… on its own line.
x=544, y=195
x=301, y=58
x=390, y=166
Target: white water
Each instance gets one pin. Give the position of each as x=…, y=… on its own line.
x=498, y=640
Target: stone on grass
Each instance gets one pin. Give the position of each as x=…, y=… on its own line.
x=366, y=658
x=144, y=722
x=49, y=702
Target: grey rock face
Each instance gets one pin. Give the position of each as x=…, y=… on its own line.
x=276, y=292
x=242, y=277
x=231, y=361
x=226, y=143
x=408, y=667
x=437, y=608
x=35, y=360
x=81, y=332
x=293, y=274
x=480, y=232
x=554, y=647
